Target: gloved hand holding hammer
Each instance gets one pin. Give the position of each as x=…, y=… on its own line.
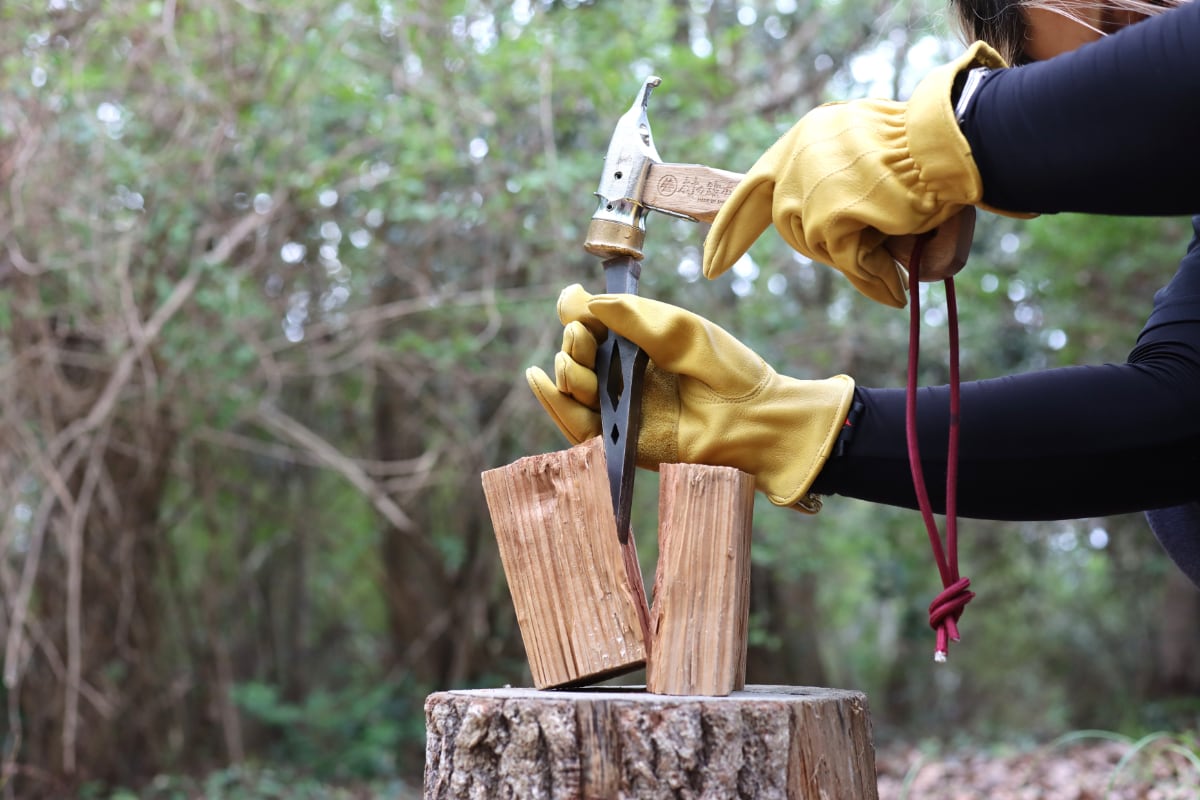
x=850, y=175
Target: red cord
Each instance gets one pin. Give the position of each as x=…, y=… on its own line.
x=948, y=606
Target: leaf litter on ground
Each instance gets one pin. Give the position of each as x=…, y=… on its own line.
x=1087, y=765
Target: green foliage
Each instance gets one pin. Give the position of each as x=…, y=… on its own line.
x=364, y=213
x=253, y=783
x=347, y=734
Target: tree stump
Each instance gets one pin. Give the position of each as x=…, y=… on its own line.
x=602, y=744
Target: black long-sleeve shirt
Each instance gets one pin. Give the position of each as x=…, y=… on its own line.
x=1110, y=128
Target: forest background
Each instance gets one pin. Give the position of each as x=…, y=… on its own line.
x=271, y=274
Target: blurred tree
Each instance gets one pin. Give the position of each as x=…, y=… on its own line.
x=271, y=275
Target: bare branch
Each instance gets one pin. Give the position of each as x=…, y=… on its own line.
x=331, y=457
x=41, y=522
x=410, y=468
x=389, y=312
x=74, y=549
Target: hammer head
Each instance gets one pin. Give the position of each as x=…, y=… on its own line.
x=618, y=227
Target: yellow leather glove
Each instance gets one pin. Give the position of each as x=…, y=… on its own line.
x=707, y=398
x=849, y=175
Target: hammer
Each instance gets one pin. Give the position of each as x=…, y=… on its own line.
x=634, y=181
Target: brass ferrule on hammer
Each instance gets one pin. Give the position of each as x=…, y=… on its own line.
x=618, y=227
x=617, y=234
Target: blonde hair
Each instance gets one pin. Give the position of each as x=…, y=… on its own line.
x=1002, y=23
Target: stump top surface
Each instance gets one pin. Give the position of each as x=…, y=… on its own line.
x=637, y=694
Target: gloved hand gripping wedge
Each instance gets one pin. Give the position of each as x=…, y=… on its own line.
x=708, y=398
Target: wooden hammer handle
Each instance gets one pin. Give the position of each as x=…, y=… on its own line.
x=697, y=191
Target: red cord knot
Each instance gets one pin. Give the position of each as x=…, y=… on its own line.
x=944, y=612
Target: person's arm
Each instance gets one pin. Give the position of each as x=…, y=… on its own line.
x=1110, y=128
x=1061, y=443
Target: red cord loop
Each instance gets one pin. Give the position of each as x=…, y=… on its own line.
x=948, y=606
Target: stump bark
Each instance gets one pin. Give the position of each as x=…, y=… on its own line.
x=763, y=742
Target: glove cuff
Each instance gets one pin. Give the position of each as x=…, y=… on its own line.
x=819, y=410
x=947, y=175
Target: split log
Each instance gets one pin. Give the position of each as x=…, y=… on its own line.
x=764, y=742
x=578, y=592
x=701, y=610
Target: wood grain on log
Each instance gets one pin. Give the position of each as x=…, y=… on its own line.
x=764, y=742
x=698, y=623
x=578, y=593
